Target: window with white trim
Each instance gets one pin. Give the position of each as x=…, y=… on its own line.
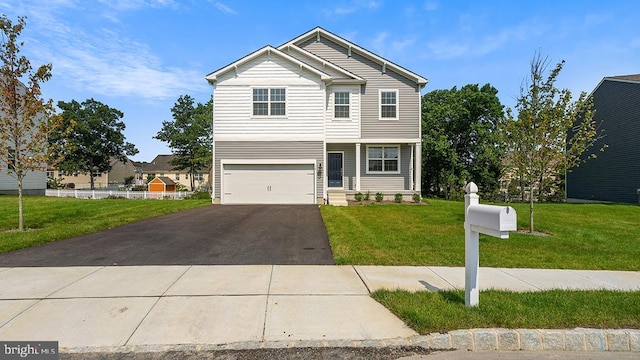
x=269, y=102
x=383, y=159
x=341, y=105
x=388, y=104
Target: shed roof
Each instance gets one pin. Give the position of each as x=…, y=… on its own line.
x=165, y=180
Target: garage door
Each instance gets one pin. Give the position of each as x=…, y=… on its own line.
x=268, y=184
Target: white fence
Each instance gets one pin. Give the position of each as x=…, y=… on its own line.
x=103, y=194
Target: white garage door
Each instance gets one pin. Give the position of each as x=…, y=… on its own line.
x=268, y=184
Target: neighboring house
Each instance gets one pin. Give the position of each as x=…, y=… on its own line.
x=318, y=114
x=614, y=176
x=114, y=178
x=33, y=183
x=161, y=184
x=161, y=166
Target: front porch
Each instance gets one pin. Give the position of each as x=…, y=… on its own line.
x=388, y=167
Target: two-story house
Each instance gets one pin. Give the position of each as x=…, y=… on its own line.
x=614, y=175
x=161, y=166
x=315, y=115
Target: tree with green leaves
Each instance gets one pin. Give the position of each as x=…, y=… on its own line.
x=24, y=115
x=95, y=138
x=460, y=141
x=551, y=133
x=189, y=135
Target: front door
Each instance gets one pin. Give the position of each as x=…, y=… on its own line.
x=334, y=169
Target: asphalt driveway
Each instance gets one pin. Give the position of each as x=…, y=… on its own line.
x=212, y=235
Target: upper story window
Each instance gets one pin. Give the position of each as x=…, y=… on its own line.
x=383, y=159
x=388, y=104
x=269, y=102
x=341, y=105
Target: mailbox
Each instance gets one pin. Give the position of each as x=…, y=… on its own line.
x=486, y=219
x=492, y=220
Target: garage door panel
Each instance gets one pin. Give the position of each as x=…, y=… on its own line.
x=269, y=184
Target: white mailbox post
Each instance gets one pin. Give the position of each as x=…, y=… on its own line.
x=486, y=219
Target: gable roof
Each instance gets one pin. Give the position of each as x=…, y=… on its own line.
x=165, y=180
x=318, y=31
x=213, y=76
x=348, y=74
x=160, y=163
x=634, y=78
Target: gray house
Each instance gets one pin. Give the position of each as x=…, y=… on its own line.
x=316, y=116
x=615, y=174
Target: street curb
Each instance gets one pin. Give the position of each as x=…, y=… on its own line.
x=579, y=339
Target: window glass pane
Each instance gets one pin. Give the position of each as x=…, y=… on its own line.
x=388, y=98
x=391, y=165
x=375, y=153
x=341, y=98
x=388, y=111
x=277, y=108
x=342, y=111
x=260, y=94
x=278, y=95
x=260, y=109
x=375, y=165
x=391, y=153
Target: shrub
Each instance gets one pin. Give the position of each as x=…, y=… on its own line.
x=358, y=196
x=367, y=196
x=416, y=198
x=199, y=195
x=398, y=198
x=379, y=196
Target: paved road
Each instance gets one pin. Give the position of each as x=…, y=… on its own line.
x=212, y=235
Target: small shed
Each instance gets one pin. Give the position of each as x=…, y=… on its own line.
x=161, y=184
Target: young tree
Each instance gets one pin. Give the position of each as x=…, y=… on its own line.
x=550, y=133
x=24, y=114
x=460, y=139
x=189, y=135
x=96, y=136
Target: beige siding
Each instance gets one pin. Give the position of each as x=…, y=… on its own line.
x=407, y=126
x=383, y=182
x=266, y=150
x=233, y=102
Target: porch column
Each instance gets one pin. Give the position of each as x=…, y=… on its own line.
x=418, y=168
x=411, y=167
x=357, y=166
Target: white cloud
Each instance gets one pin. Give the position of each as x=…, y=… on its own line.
x=352, y=7
x=104, y=61
x=224, y=8
x=431, y=6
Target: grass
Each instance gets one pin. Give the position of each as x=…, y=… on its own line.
x=428, y=312
x=583, y=236
x=49, y=218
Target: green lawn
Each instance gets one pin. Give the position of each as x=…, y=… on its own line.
x=583, y=236
x=428, y=312
x=49, y=218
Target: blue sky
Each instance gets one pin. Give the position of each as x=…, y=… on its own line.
x=139, y=56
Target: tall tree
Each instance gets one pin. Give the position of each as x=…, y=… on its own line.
x=460, y=139
x=96, y=136
x=189, y=135
x=24, y=113
x=550, y=133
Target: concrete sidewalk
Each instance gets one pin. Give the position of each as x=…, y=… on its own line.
x=159, y=307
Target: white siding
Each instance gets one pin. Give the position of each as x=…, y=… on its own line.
x=343, y=128
x=233, y=102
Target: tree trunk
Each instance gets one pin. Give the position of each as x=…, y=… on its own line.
x=531, y=208
x=193, y=174
x=91, y=180
x=20, y=206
